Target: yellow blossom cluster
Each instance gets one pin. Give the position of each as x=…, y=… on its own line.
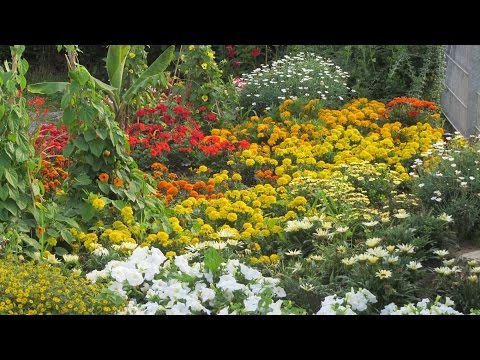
x=28, y=288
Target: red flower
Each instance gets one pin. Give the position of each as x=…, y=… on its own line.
x=212, y=117
x=235, y=63
x=413, y=113
x=140, y=113
x=243, y=144
x=255, y=52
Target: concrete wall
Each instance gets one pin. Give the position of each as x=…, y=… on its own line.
x=461, y=100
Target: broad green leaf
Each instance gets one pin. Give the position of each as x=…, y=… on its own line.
x=67, y=236
x=2, y=110
x=22, y=202
x=3, y=192
x=68, y=149
x=86, y=114
x=32, y=242
x=82, y=180
x=35, y=189
x=116, y=56
x=23, y=82
x=157, y=67
x=47, y=88
x=21, y=154
x=212, y=260
x=105, y=87
x=87, y=212
x=102, y=133
x=4, y=161
x=105, y=188
x=11, y=176
x=10, y=205
x=60, y=251
x=89, y=135
x=69, y=117
x=97, y=147
x=12, y=137
x=81, y=143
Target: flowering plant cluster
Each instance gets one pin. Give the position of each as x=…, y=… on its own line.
x=181, y=286
x=291, y=77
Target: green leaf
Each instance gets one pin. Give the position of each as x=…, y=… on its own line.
x=3, y=192
x=82, y=180
x=67, y=236
x=32, y=242
x=23, y=82
x=105, y=188
x=89, y=135
x=97, y=147
x=60, y=251
x=11, y=176
x=10, y=205
x=2, y=110
x=47, y=88
x=12, y=137
x=116, y=56
x=102, y=133
x=22, y=202
x=21, y=154
x=81, y=143
x=87, y=212
x=212, y=260
x=87, y=114
x=158, y=66
x=5, y=162
x=68, y=149
x=69, y=117
x=35, y=190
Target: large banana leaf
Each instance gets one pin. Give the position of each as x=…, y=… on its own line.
x=47, y=88
x=157, y=67
x=116, y=56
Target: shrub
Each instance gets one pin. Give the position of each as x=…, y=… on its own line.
x=294, y=76
x=449, y=182
x=28, y=288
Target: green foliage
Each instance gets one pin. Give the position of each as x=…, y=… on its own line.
x=449, y=182
x=16, y=151
x=201, y=82
x=387, y=71
x=118, y=96
x=29, y=288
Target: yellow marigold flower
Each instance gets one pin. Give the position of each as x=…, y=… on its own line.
x=204, y=66
x=202, y=169
x=98, y=204
x=232, y=217
x=237, y=177
x=205, y=98
x=253, y=260
x=274, y=258
x=211, y=54
x=127, y=212
x=131, y=55
x=170, y=254
x=249, y=162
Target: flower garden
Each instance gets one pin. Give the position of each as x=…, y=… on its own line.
x=283, y=191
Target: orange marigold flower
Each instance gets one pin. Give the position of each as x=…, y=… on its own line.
x=117, y=182
x=103, y=177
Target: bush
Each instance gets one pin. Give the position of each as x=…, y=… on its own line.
x=28, y=288
x=294, y=76
x=449, y=182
